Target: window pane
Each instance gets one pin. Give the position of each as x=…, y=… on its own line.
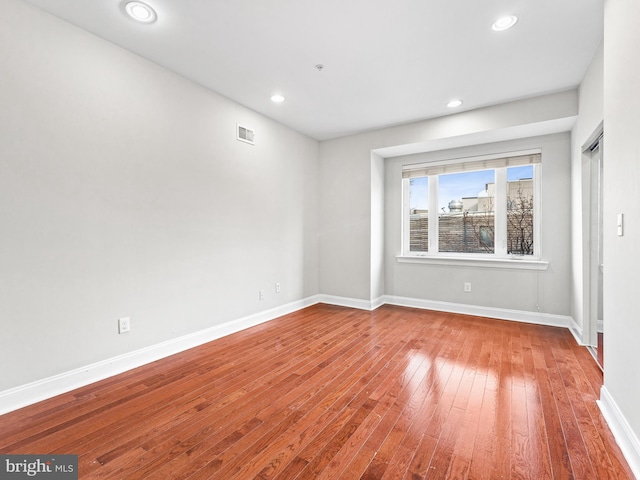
x=419, y=214
x=466, y=212
x=520, y=210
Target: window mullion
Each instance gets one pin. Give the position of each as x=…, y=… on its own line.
x=537, y=210
x=500, y=209
x=433, y=214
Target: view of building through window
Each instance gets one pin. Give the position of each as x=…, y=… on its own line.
x=466, y=224
x=467, y=212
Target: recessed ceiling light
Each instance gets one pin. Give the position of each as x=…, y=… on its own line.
x=277, y=98
x=454, y=103
x=503, y=23
x=141, y=12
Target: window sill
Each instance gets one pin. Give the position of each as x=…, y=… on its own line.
x=506, y=263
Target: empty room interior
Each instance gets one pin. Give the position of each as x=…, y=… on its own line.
x=339, y=239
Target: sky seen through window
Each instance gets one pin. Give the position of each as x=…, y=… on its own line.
x=456, y=186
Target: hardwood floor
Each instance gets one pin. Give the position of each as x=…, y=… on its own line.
x=331, y=392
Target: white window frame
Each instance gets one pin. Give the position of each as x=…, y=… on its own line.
x=499, y=259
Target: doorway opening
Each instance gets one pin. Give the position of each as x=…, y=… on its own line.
x=593, y=170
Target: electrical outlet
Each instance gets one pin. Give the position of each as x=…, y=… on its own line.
x=277, y=287
x=260, y=295
x=467, y=287
x=124, y=325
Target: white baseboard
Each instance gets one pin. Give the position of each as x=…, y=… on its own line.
x=33, y=392
x=499, y=313
x=539, y=318
x=378, y=302
x=576, y=331
x=622, y=431
x=351, y=302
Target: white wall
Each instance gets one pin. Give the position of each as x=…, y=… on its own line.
x=622, y=195
x=521, y=290
x=349, y=192
x=591, y=114
x=123, y=192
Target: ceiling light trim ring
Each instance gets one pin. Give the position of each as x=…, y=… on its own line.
x=140, y=12
x=504, y=23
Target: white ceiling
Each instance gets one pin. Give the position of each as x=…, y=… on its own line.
x=385, y=62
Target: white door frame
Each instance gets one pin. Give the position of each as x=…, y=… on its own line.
x=592, y=171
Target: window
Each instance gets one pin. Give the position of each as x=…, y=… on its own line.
x=483, y=207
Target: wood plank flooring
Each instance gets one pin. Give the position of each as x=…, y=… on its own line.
x=331, y=392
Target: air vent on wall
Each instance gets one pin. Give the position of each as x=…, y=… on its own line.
x=245, y=134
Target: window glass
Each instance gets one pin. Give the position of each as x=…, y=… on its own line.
x=520, y=233
x=466, y=222
x=419, y=214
